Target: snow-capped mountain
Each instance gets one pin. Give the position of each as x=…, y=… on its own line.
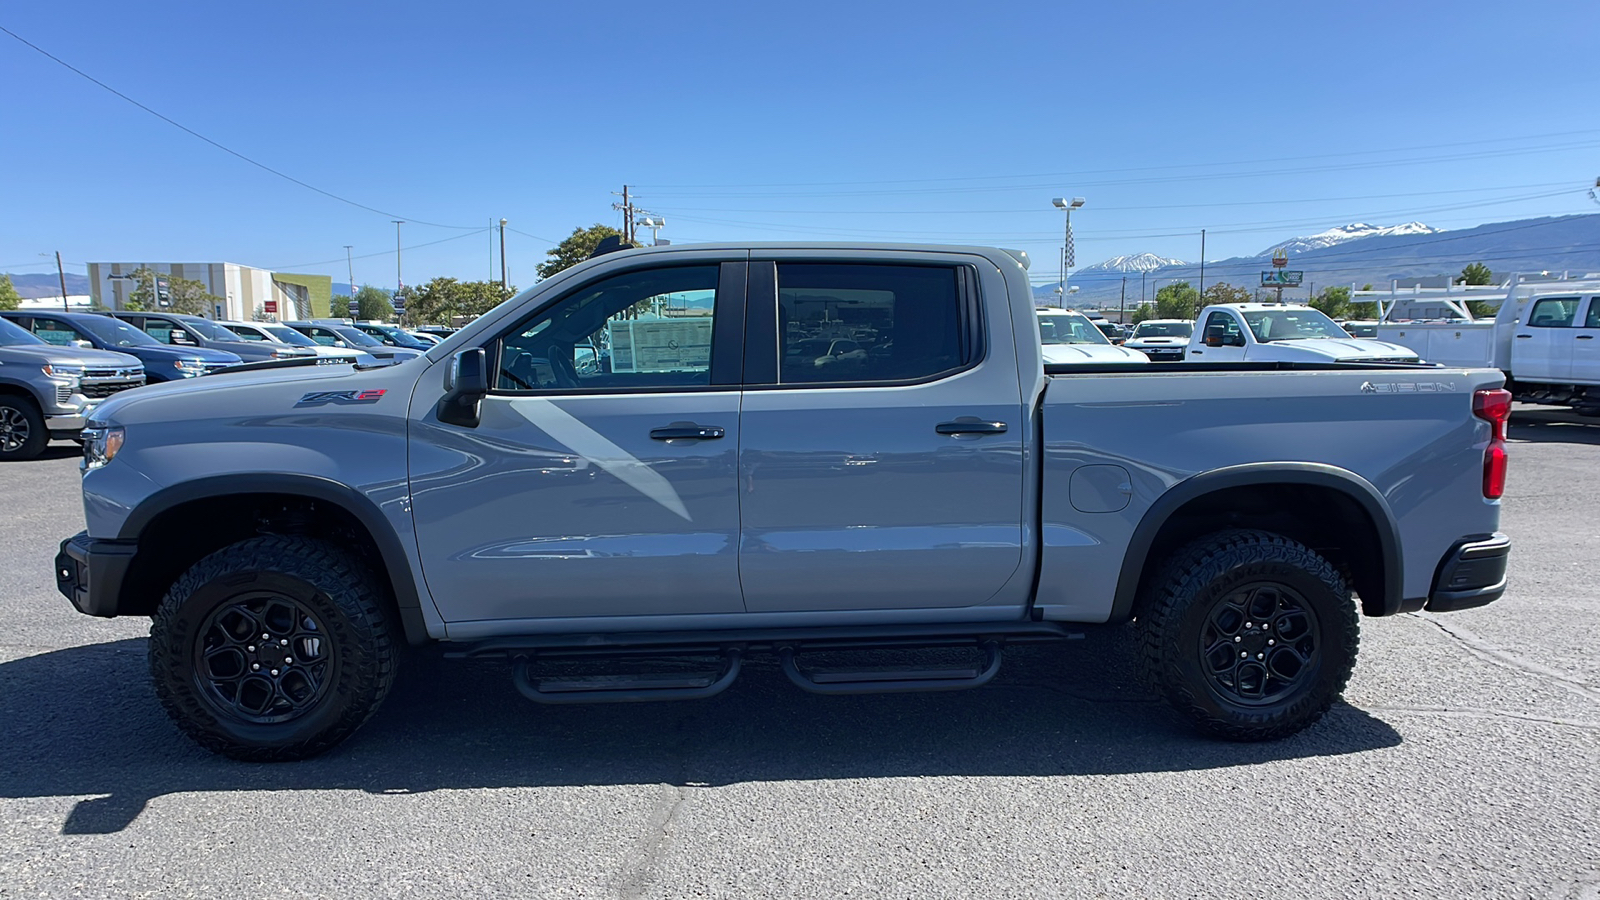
x=1344, y=233
x=1139, y=262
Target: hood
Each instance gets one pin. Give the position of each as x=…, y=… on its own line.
x=1345, y=349
x=1058, y=354
x=165, y=351
x=49, y=353
x=332, y=352
x=235, y=390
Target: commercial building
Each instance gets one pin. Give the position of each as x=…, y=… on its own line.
x=243, y=291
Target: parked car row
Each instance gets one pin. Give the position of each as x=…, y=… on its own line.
x=55, y=367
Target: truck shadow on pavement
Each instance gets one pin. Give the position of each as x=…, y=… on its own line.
x=1551, y=426
x=84, y=722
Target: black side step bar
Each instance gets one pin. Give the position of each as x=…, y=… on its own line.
x=892, y=681
x=626, y=688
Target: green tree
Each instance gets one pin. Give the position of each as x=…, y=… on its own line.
x=1145, y=311
x=1476, y=273
x=1334, y=301
x=1178, y=300
x=371, y=303
x=442, y=299
x=184, y=295
x=9, y=298
x=1223, y=292
x=575, y=249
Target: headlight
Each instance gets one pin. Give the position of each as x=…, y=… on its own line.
x=189, y=367
x=101, y=444
x=59, y=370
x=286, y=354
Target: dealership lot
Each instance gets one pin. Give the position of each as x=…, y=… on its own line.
x=1463, y=763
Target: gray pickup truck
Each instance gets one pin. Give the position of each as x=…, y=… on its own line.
x=47, y=390
x=707, y=486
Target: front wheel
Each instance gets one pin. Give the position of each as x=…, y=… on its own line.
x=22, y=428
x=274, y=648
x=1248, y=634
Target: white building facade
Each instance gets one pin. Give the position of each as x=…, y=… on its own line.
x=244, y=290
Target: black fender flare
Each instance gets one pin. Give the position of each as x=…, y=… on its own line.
x=395, y=561
x=1358, y=489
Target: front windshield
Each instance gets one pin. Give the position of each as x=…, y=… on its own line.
x=12, y=334
x=1164, y=329
x=358, y=337
x=1068, y=328
x=115, y=332
x=404, y=340
x=207, y=330
x=289, y=336
x=1293, y=324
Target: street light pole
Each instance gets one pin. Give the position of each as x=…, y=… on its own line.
x=350, y=262
x=504, y=280
x=62, y=272
x=399, y=279
x=1202, y=262
x=1068, y=257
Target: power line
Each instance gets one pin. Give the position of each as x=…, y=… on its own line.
x=346, y=259
x=1341, y=154
x=534, y=236
x=230, y=151
x=1017, y=188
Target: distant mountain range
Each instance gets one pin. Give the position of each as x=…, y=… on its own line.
x=1361, y=253
x=1344, y=234
x=49, y=285
x=1139, y=262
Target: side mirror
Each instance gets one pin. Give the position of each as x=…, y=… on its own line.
x=83, y=343
x=339, y=344
x=466, y=383
x=1214, y=337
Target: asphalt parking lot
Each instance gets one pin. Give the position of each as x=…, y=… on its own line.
x=1463, y=763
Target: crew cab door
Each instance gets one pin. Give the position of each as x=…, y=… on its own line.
x=592, y=490
x=1541, y=347
x=1221, y=339
x=889, y=477
x=1586, y=344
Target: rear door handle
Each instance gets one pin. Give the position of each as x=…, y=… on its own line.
x=970, y=426
x=689, y=432
x=1521, y=336
x=1196, y=352
x=1585, y=337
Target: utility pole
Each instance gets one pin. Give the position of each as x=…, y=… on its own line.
x=1122, y=305
x=350, y=262
x=399, y=279
x=491, y=248
x=62, y=272
x=627, y=214
x=1142, y=274
x=504, y=280
x=1202, y=266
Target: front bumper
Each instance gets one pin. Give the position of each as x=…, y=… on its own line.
x=1472, y=574
x=63, y=424
x=1162, y=354
x=90, y=572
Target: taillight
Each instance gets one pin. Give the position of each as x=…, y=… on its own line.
x=1494, y=407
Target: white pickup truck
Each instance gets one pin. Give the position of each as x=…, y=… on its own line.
x=1272, y=332
x=1545, y=335
x=1069, y=337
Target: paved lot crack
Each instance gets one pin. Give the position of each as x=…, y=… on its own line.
x=1447, y=712
x=637, y=870
x=1484, y=650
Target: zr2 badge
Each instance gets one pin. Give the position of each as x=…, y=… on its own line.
x=340, y=398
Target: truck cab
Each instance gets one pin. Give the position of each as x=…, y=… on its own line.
x=1271, y=332
x=1070, y=337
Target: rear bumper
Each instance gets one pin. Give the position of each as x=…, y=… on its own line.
x=1472, y=574
x=89, y=572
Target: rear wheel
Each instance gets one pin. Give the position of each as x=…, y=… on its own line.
x=1248, y=634
x=22, y=429
x=274, y=648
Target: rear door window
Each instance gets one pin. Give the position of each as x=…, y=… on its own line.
x=1592, y=320
x=1553, y=312
x=58, y=333
x=864, y=324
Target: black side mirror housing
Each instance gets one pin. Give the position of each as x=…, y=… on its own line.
x=466, y=383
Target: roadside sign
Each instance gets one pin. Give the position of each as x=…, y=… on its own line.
x=399, y=304
x=270, y=306
x=355, y=307
x=1282, y=278
x=1280, y=258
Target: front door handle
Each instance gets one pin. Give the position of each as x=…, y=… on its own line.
x=1521, y=336
x=687, y=432
x=1585, y=337
x=970, y=426
x=1196, y=352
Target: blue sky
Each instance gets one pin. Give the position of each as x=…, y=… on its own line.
x=751, y=121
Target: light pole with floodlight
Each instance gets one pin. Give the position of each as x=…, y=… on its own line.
x=1067, y=255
